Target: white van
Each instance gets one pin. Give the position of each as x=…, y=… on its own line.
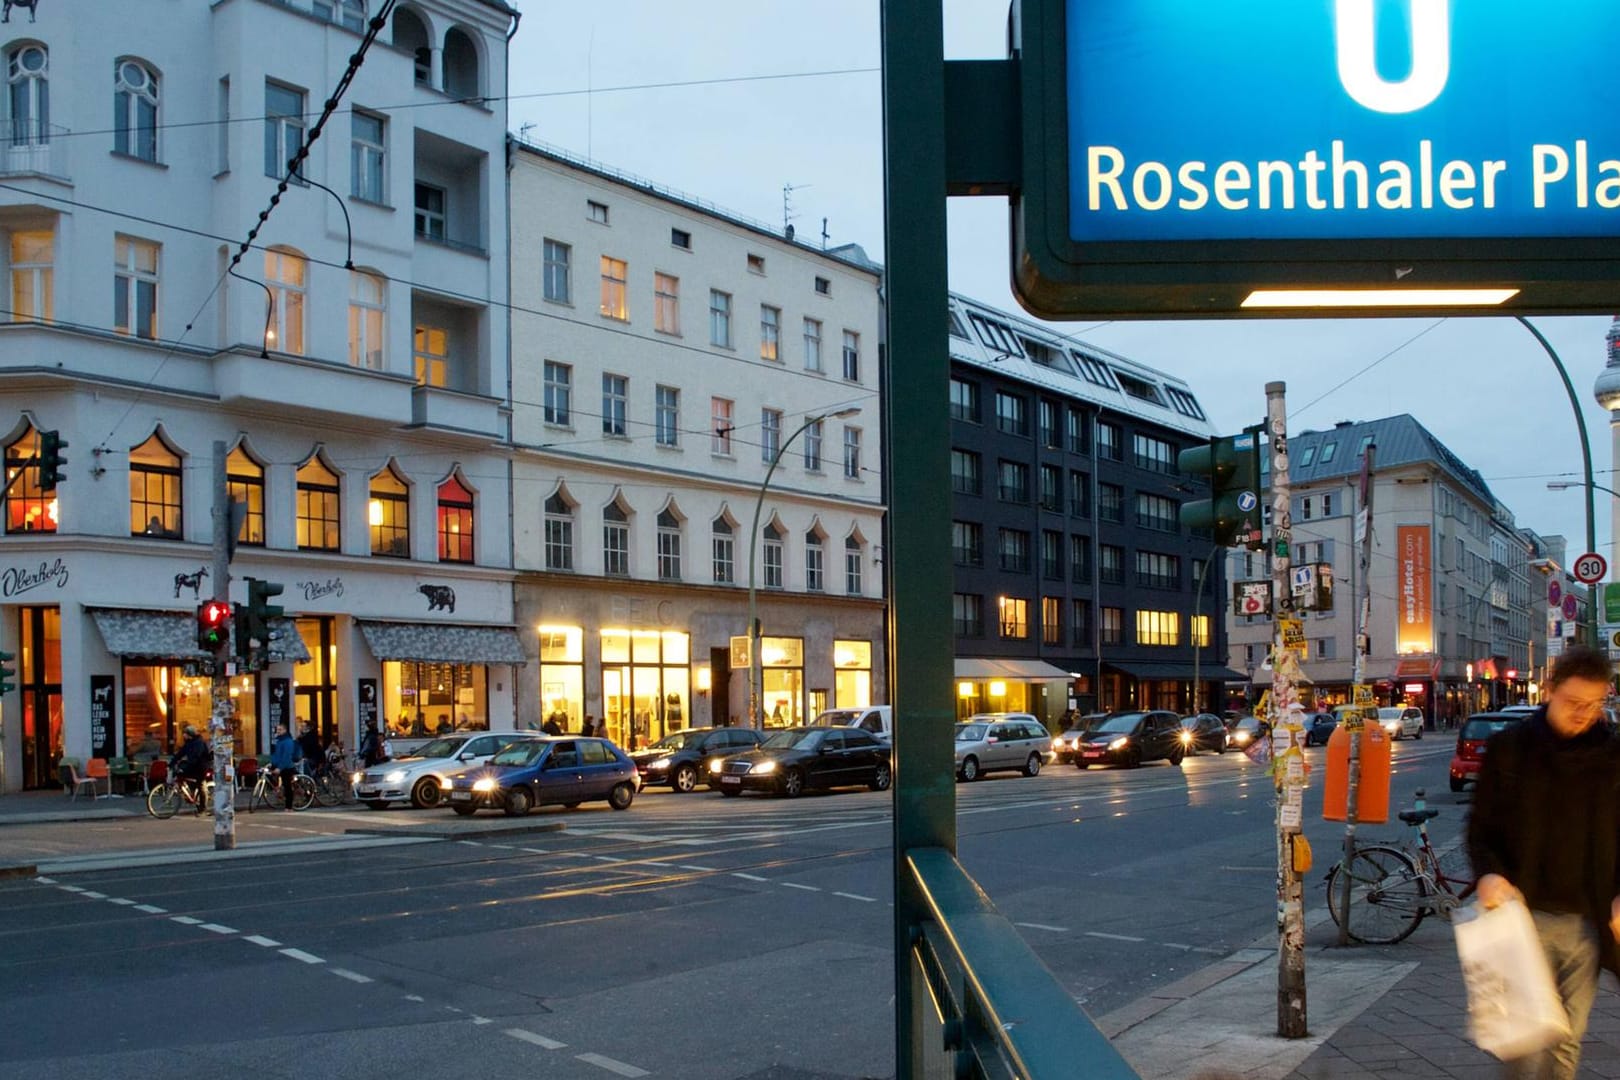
x=877, y=719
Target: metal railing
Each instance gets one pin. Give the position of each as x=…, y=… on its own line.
x=990, y=1008
x=29, y=146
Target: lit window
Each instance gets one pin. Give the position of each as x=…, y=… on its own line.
x=770, y=332
x=455, y=522
x=432, y=355
x=1158, y=628
x=285, y=273
x=155, y=491
x=720, y=411
x=318, y=519
x=28, y=509
x=615, y=289
x=1013, y=615
x=388, y=515
x=244, y=479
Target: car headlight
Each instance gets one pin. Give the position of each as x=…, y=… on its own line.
x=448, y=783
x=763, y=768
x=486, y=784
x=661, y=763
x=1057, y=744
x=1120, y=743
x=1186, y=736
x=355, y=778
x=716, y=764
x=394, y=777
x=1240, y=737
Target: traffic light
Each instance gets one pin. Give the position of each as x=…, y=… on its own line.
x=259, y=609
x=213, y=626
x=51, y=461
x=1231, y=464
x=8, y=674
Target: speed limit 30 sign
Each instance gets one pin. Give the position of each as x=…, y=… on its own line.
x=1590, y=568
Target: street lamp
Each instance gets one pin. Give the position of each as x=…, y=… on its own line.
x=755, y=676
x=1591, y=590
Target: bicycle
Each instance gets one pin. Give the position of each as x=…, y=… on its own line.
x=164, y=800
x=267, y=791
x=1394, y=885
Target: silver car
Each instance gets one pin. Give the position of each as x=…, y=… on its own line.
x=992, y=742
x=420, y=777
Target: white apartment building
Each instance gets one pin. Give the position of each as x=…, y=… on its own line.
x=363, y=417
x=664, y=353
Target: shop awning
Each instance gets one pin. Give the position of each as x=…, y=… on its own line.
x=1417, y=667
x=440, y=643
x=1175, y=669
x=970, y=667
x=135, y=633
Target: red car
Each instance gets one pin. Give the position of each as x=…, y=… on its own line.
x=1471, y=744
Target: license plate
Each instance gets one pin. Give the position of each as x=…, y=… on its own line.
x=366, y=793
x=460, y=796
x=731, y=779
x=1092, y=753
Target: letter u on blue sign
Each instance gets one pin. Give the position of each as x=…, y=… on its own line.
x=1358, y=66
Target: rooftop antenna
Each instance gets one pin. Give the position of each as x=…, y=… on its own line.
x=787, y=207
x=823, y=234
x=524, y=129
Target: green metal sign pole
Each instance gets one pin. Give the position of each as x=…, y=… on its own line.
x=916, y=449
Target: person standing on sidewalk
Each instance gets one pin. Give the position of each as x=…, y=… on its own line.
x=284, y=755
x=1545, y=829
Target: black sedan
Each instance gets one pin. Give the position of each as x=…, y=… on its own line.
x=681, y=760
x=1319, y=728
x=1205, y=731
x=793, y=759
x=1131, y=738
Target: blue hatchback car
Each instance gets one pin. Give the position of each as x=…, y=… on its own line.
x=539, y=772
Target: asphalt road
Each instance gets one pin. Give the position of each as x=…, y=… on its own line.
x=692, y=936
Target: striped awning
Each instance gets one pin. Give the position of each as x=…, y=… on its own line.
x=140, y=634
x=443, y=643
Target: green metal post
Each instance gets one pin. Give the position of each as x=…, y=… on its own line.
x=917, y=566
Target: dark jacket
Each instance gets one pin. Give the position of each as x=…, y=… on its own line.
x=1521, y=807
x=371, y=748
x=309, y=746
x=192, y=757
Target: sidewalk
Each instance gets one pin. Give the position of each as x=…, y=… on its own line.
x=34, y=807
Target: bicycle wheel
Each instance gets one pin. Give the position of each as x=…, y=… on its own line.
x=163, y=801
x=1388, y=896
x=303, y=793
x=1458, y=872
x=328, y=789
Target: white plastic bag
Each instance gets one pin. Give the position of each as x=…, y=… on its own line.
x=1513, y=1005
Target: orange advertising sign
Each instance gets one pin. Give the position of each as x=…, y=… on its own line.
x=1414, y=618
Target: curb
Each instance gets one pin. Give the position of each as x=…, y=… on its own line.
x=459, y=831
x=23, y=870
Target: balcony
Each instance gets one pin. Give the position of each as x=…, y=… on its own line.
x=298, y=387
x=450, y=410
x=30, y=148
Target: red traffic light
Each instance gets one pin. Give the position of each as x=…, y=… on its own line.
x=213, y=625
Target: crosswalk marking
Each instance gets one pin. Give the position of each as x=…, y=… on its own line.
x=535, y=1040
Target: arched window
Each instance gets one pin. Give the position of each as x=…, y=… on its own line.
x=388, y=510
x=29, y=92
x=368, y=308
x=669, y=546
x=559, y=533
x=318, y=518
x=284, y=274
x=852, y=565
x=155, y=491
x=773, y=555
x=725, y=552
x=135, y=110
x=244, y=478
x=814, y=577
x=460, y=65
x=455, y=522
x=28, y=509
x=615, y=540
x=412, y=36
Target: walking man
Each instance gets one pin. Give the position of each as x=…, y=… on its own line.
x=1545, y=829
x=284, y=755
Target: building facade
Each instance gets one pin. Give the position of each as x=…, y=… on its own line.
x=696, y=412
x=1075, y=584
x=358, y=384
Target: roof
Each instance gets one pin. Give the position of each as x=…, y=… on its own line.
x=1400, y=440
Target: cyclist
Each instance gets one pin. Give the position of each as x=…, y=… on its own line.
x=190, y=763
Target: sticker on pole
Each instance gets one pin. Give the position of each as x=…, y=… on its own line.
x=1246, y=501
x=1590, y=568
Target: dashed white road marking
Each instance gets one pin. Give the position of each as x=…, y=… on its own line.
x=535, y=851
x=469, y=843
x=415, y=997
x=1043, y=926
x=185, y=920
x=45, y=880
x=352, y=976
x=215, y=928
x=151, y=909
x=699, y=869
x=534, y=1040
x=70, y=888
x=88, y=895
x=120, y=901
x=612, y=1066
x=1113, y=937
x=857, y=896
x=747, y=877
x=796, y=885
x=302, y=956
x=1176, y=945
x=479, y=1021
x=262, y=941
x=607, y=858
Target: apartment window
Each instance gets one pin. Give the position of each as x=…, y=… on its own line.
x=1305, y=508
x=1051, y=435
x=812, y=446
x=1052, y=488
x=669, y=546
x=1075, y=431
x=666, y=304
x=1012, y=481
x=430, y=212
x=559, y=403
x=721, y=425
x=559, y=533
x=1080, y=560
x=430, y=351
x=456, y=522
x=1113, y=626
x=1108, y=444
x=1013, y=617
x=1110, y=503
x=1013, y=546
x=1307, y=456
x=350, y=14
x=284, y=276
x=1157, y=512
x=1012, y=414
x=719, y=318
x=135, y=287
x=368, y=304
x=1079, y=494
x=615, y=541
x=756, y=264
x=965, y=478
x=615, y=289
x=28, y=80
x=388, y=514
x=772, y=537
x=725, y=552
x=1327, y=506
x=1158, y=571
x=33, y=274
x=155, y=507
x=1079, y=623
x=852, y=356
x=813, y=577
x=1201, y=631
x=667, y=416
x=1326, y=648
x=244, y=481
x=964, y=401
x=615, y=403
x=1051, y=555
x=823, y=286
x=596, y=211
x=367, y=153
x=967, y=615
x=1110, y=564
x=554, y=278
x=318, y=518
x=967, y=543
x=1158, y=628
x=283, y=129
x=680, y=238
x=1051, y=620
x=770, y=434
x=853, y=565
x=1155, y=454
x=812, y=345
x=770, y=332
x=135, y=110
x=852, y=453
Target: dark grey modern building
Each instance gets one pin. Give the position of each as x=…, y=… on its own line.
x=1075, y=583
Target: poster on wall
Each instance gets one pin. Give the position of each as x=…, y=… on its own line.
x=368, y=704
x=101, y=715
x=1414, y=620
x=277, y=692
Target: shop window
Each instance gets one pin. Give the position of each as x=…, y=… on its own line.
x=645, y=684
x=318, y=524
x=782, y=681
x=154, y=490
x=244, y=478
x=562, y=675
x=852, y=674
x=39, y=692
x=388, y=512
x=28, y=509
x=455, y=522
x=435, y=698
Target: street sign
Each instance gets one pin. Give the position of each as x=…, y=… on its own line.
x=1247, y=502
x=1555, y=593
x=1611, y=602
x=1571, y=608
x=1251, y=597
x=1590, y=568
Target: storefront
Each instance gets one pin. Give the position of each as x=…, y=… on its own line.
x=1007, y=684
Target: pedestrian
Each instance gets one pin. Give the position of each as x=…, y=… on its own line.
x=371, y=747
x=285, y=753
x=551, y=727
x=310, y=750
x=1545, y=829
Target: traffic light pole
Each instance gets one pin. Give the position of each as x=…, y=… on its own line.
x=219, y=721
x=1353, y=720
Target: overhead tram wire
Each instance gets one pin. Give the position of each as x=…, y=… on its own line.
x=1292, y=413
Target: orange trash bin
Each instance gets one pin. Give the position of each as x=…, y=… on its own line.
x=1372, y=787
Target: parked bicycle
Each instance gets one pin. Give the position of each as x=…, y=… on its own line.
x=166, y=798
x=267, y=791
x=333, y=780
x=1394, y=885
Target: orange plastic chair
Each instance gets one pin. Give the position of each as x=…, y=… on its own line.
x=95, y=772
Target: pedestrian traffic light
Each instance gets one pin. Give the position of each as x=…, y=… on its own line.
x=259, y=610
x=8, y=674
x=51, y=461
x=213, y=626
x=1231, y=464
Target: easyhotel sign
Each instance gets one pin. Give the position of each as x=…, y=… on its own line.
x=1375, y=156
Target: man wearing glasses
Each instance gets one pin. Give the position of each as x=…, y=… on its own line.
x=1545, y=829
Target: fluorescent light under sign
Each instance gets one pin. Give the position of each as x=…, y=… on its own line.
x=1377, y=298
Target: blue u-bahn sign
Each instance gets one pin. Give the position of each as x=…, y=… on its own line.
x=1375, y=156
